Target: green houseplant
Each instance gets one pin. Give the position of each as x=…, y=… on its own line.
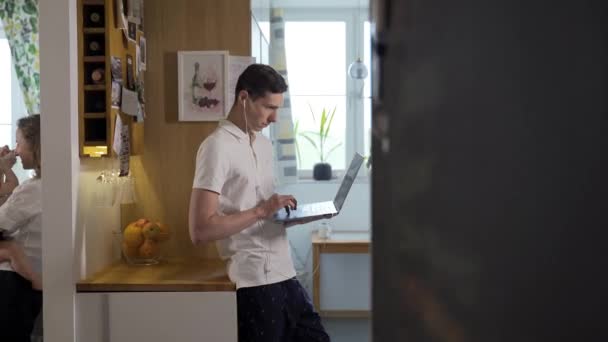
x=318, y=139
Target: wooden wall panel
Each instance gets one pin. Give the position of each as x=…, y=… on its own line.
x=164, y=171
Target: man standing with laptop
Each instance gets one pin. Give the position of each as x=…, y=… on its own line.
x=233, y=203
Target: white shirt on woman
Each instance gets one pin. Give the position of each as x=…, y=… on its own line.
x=21, y=220
x=242, y=175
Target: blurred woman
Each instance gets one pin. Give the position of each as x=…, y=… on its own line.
x=21, y=230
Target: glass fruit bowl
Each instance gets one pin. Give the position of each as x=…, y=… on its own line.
x=141, y=242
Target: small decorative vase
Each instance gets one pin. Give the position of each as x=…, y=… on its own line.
x=321, y=171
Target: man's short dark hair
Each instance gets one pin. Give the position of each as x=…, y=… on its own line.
x=260, y=79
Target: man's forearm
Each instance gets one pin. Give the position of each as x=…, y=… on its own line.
x=218, y=227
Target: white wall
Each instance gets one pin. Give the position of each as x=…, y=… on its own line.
x=95, y=247
x=59, y=96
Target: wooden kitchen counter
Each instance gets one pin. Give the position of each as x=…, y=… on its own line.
x=176, y=275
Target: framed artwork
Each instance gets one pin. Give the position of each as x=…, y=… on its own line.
x=202, y=90
x=132, y=31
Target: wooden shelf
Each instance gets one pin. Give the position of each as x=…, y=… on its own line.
x=94, y=115
x=95, y=87
x=96, y=59
x=95, y=143
x=94, y=30
x=94, y=126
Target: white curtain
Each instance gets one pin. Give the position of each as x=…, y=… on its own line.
x=286, y=166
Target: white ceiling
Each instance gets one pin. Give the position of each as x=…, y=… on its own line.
x=309, y=3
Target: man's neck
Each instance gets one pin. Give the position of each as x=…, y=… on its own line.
x=236, y=116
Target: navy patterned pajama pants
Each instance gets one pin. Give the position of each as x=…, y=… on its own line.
x=280, y=312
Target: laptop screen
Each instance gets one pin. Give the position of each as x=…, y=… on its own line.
x=347, y=182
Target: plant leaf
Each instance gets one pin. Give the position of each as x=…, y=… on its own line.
x=295, y=135
x=332, y=149
x=315, y=134
x=315, y=137
x=331, y=119
x=298, y=155
x=322, y=126
x=295, y=127
x=310, y=141
x=313, y=113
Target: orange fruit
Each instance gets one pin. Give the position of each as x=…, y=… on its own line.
x=165, y=232
x=149, y=249
x=141, y=222
x=132, y=235
x=151, y=231
x=128, y=251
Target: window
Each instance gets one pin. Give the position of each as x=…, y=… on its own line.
x=320, y=44
x=316, y=62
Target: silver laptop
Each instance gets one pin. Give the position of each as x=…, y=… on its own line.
x=320, y=209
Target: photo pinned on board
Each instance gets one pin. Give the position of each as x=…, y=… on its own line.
x=130, y=73
x=116, y=69
x=141, y=47
x=116, y=94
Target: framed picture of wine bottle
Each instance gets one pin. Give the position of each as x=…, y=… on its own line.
x=202, y=90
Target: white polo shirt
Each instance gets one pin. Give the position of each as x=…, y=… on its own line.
x=243, y=176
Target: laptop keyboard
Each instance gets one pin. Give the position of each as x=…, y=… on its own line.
x=323, y=207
